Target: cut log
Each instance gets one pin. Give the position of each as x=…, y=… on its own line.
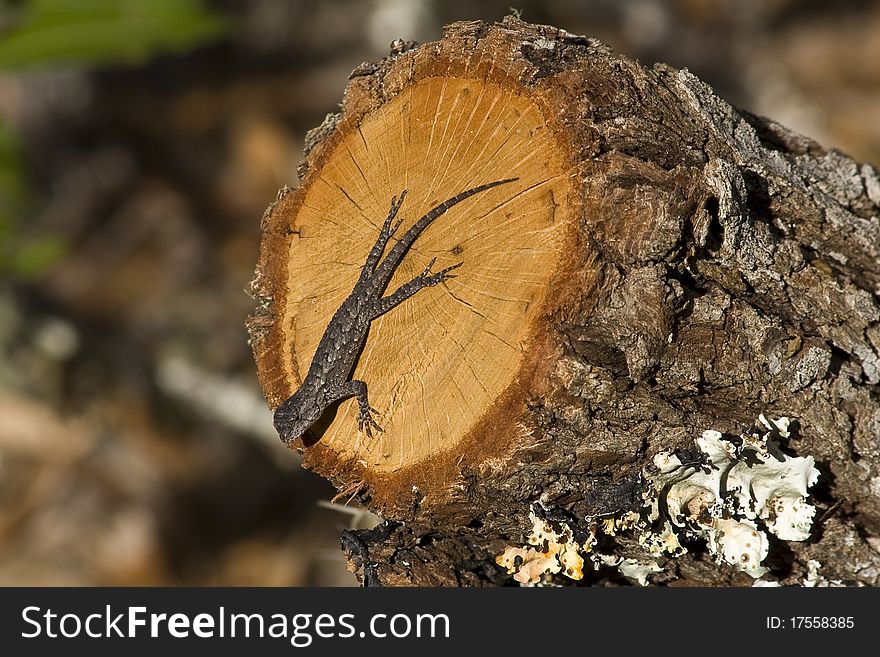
x=449, y=370
x=663, y=265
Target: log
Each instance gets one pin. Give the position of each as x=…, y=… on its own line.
x=665, y=264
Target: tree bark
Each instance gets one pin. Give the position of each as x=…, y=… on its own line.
x=666, y=264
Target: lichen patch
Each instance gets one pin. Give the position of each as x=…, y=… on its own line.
x=731, y=495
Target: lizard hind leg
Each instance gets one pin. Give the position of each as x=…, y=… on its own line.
x=389, y=227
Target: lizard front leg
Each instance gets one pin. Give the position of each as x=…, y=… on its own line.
x=405, y=291
x=357, y=389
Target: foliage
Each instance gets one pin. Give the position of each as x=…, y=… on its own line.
x=37, y=34
x=21, y=256
x=50, y=32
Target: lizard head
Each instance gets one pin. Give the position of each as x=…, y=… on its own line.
x=294, y=417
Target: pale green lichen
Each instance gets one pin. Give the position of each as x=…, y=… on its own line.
x=734, y=494
x=638, y=570
x=815, y=580
x=746, y=487
x=739, y=543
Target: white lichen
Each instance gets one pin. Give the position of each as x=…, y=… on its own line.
x=730, y=494
x=742, y=488
x=632, y=569
x=638, y=570
x=738, y=543
x=815, y=580
x=544, y=44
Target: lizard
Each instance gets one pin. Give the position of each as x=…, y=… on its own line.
x=330, y=375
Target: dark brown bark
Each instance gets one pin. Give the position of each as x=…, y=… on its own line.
x=730, y=268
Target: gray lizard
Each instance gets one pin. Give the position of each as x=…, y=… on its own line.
x=329, y=378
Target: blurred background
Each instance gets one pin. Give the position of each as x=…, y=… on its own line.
x=140, y=142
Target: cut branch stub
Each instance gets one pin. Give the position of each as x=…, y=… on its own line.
x=450, y=370
x=665, y=264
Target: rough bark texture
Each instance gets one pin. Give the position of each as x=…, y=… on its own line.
x=733, y=270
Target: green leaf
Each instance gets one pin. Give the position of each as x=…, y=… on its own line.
x=13, y=185
x=51, y=32
x=21, y=256
x=30, y=260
